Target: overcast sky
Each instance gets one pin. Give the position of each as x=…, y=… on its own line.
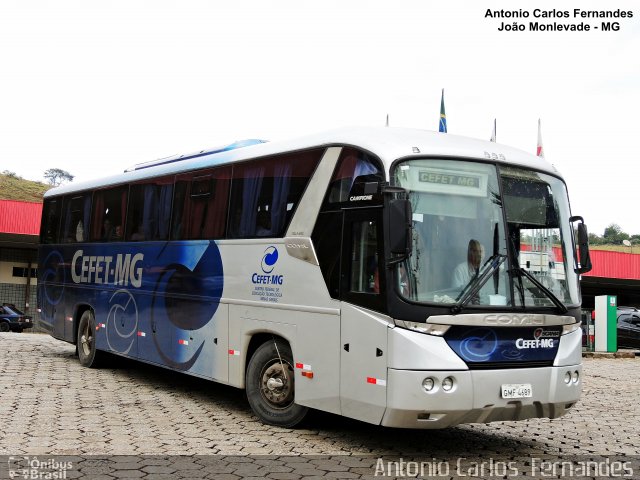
x=93, y=87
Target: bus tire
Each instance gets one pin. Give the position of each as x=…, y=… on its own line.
x=270, y=385
x=86, y=343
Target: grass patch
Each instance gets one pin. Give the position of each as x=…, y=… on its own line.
x=616, y=248
x=15, y=188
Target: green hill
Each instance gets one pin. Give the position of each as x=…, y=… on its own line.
x=16, y=188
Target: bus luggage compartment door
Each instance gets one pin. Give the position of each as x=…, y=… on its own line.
x=363, y=364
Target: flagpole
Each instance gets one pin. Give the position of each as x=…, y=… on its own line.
x=539, y=149
x=442, y=127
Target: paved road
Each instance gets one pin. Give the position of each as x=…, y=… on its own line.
x=50, y=405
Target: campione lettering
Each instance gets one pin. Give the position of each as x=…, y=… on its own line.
x=358, y=198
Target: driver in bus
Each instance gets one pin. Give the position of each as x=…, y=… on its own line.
x=465, y=271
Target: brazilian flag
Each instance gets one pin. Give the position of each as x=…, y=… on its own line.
x=443, y=116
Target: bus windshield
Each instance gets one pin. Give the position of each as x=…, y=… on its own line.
x=485, y=235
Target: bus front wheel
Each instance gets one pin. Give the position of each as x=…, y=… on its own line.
x=86, y=342
x=270, y=384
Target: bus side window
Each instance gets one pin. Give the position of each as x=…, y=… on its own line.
x=75, y=221
x=109, y=213
x=50, y=221
x=352, y=164
x=150, y=210
x=327, y=241
x=200, y=205
x=365, y=276
x=266, y=191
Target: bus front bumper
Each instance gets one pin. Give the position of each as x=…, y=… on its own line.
x=476, y=396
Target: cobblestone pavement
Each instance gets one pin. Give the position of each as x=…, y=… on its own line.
x=50, y=405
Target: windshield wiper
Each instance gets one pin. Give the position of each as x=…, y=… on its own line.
x=515, y=261
x=477, y=282
x=550, y=295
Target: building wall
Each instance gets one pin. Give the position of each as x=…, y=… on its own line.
x=13, y=289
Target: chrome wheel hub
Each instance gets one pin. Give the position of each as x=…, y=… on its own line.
x=277, y=384
x=86, y=340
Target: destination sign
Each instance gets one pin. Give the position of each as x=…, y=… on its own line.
x=440, y=178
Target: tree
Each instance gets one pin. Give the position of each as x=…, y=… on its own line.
x=613, y=234
x=594, y=239
x=56, y=176
x=11, y=174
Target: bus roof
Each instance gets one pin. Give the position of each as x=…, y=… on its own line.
x=388, y=143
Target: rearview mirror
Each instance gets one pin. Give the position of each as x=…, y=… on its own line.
x=583, y=246
x=400, y=226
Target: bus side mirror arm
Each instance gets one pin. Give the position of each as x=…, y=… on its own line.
x=583, y=245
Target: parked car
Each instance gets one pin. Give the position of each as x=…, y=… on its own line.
x=628, y=327
x=12, y=319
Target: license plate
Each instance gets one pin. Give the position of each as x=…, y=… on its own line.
x=516, y=390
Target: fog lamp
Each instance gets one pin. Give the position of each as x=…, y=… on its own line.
x=447, y=384
x=428, y=384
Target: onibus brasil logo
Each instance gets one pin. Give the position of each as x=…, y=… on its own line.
x=35, y=468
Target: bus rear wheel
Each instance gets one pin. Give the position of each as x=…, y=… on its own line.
x=86, y=341
x=270, y=384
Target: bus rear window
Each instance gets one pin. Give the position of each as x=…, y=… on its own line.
x=50, y=221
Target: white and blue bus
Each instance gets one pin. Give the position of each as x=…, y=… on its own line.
x=400, y=277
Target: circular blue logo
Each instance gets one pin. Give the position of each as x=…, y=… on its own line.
x=479, y=345
x=269, y=259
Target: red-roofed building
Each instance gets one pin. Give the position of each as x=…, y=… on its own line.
x=22, y=218
x=19, y=230
x=613, y=273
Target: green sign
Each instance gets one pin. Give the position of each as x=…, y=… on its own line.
x=612, y=323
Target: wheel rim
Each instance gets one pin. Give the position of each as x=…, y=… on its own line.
x=86, y=340
x=4, y=327
x=276, y=384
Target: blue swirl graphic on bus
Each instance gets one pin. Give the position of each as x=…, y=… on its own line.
x=511, y=353
x=479, y=345
x=186, y=296
x=122, y=320
x=53, y=277
x=269, y=259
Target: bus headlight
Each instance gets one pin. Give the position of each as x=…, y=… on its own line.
x=567, y=378
x=428, y=328
x=576, y=377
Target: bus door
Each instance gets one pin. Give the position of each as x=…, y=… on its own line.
x=363, y=332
